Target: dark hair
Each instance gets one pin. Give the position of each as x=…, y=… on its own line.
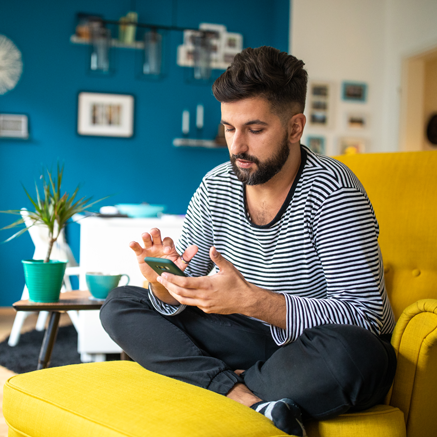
x=264, y=72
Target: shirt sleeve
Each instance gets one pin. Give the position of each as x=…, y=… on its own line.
x=197, y=229
x=345, y=236
x=165, y=308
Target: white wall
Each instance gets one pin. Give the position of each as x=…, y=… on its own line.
x=363, y=41
x=411, y=29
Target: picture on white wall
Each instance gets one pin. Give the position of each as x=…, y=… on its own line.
x=109, y=115
x=354, y=92
x=356, y=121
x=320, y=104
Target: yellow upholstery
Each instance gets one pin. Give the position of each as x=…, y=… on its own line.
x=121, y=398
x=401, y=187
x=380, y=421
x=415, y=387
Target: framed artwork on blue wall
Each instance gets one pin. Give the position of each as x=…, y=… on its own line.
x=105, y=115
x=354, y=92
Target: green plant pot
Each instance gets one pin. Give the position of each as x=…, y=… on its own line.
x=44, y=280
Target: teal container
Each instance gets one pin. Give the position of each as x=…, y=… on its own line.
x=44, y=280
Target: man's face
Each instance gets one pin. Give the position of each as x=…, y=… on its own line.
x=257, y=141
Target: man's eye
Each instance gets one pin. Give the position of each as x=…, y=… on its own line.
x=229, y=129
x=256, y=131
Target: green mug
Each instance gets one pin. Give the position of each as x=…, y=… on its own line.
x=100, y=284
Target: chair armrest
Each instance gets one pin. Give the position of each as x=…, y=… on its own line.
x=414, y=389
x=73, y=271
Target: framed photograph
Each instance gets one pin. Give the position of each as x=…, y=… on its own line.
x=316, y=144
x=233, y=42
x=354, y=92
x=351, y=146
x=14, y=126
x=108, y=115
x=185, y=56
x=356, y=121
x=320, y=104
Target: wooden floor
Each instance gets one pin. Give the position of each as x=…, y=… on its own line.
x=6, y=320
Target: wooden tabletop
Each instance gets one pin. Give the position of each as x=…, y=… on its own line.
x=70, y=300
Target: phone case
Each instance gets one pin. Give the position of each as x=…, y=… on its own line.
x=161, y=265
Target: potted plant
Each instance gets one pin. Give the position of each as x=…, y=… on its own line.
x=52, y=209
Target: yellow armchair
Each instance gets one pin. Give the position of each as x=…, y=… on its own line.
x=122, y=399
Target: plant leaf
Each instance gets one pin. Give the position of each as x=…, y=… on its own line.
x=22, y=231
x=13, y=225
x=30, y=198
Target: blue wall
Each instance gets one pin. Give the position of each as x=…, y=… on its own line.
x=146, y=168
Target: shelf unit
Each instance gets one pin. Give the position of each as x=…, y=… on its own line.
x=137, y=45
x=187, y=142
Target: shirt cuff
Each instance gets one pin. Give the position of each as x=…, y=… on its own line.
x=164, y=308
x=284, y=336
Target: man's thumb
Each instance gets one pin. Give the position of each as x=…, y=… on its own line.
x=217, y=257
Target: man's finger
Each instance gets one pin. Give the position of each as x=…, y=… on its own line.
x=156, y=235
x=168, y=245
x=190, y=252
x=181, y=281
x=218, y=258
x=147, y=240
x=136, y=248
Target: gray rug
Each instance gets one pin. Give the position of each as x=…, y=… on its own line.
x=24, y=357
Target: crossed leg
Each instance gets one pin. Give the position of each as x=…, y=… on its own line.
x=329, y=370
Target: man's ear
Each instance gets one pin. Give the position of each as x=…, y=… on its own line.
x=296, y=126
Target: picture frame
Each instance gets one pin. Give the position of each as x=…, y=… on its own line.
x=107, y=115
x=351, y=145
x=316, y=144
x=320, y=104
x=354, y=91
x=14, y=126
x=357, y=121
x=233, y=42
x=224, y=46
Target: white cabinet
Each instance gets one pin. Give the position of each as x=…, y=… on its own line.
x=104, y=247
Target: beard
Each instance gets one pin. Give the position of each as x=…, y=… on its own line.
x=265, y=170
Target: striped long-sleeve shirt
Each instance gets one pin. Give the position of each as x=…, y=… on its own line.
x=320, y=251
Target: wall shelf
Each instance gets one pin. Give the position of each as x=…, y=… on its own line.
x=187, y=142
x=137, y=45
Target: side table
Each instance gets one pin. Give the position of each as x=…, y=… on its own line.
x=70, y=300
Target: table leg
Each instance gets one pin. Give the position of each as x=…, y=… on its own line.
x=124, y=356
x=49, y=340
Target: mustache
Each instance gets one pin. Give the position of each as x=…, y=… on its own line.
x=245, y=157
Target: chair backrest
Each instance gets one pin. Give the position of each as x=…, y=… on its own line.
x=40, y=238
x=401, y=187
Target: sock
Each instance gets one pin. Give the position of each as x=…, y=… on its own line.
x=284, y=414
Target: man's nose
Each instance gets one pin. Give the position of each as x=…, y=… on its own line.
x=239, y=143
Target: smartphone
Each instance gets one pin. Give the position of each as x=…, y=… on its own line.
x=161, y=265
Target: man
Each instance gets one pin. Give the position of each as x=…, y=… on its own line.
x=296, y=317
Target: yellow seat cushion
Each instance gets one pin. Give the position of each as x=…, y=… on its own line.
x=121, y=398
x=379, y=421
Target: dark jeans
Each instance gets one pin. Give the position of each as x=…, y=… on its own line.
x=329, y=370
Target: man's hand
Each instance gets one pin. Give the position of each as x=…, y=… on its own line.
x=223, y=293
x=155, y=246
x=226, y=292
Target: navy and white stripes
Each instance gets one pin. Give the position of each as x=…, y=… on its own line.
x=320, y=251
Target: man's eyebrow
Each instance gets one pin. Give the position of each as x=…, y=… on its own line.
x=247, y=123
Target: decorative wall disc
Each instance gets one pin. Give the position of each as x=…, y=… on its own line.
x=11, y=65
